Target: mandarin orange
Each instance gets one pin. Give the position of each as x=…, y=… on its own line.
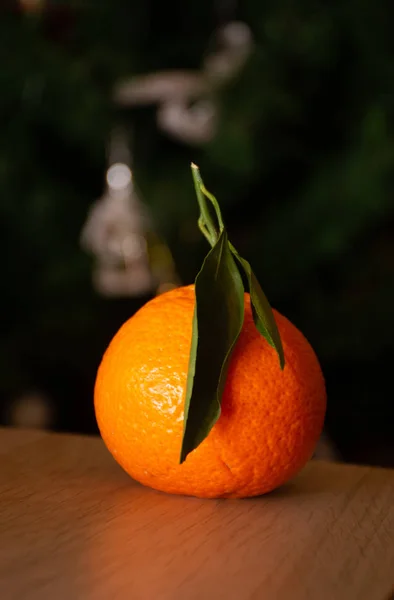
x=270, y=419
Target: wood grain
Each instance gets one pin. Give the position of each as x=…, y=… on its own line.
x=74, y=526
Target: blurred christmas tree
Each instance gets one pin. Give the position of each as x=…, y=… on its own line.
x=302, y=160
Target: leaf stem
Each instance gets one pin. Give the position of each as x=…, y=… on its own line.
x=203, y=229
x=205, y=221
x=215, y=203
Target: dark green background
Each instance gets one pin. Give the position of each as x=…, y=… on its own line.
x=303, y=166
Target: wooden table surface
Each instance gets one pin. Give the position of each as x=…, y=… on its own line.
x=74, y=526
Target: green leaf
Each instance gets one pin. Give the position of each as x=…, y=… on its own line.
x=217, y=323
x=262, y=312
